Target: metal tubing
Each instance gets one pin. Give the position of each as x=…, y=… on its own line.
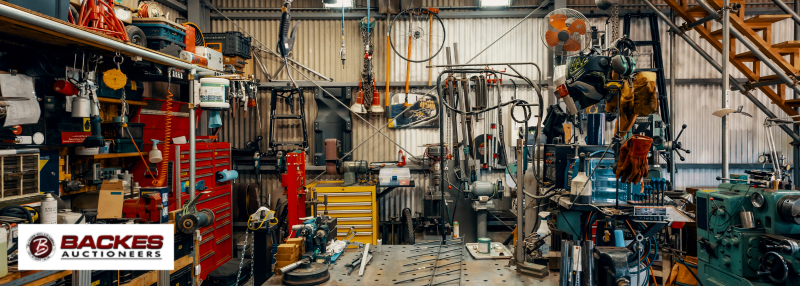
x=699, y=22
x=796, y=128
x=714, y=63
x=788, y=10
x=439, y=252
x=518, y=252
x=162, y=278
x=483, y=215
x=726, y=51
x=66, y=30
x=771, y=65
x=192, y=137
x=440, y=258
x=766, y=83
x=672, y=41
x=177, y=177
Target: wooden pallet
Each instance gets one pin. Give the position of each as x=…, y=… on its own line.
x=746, y=62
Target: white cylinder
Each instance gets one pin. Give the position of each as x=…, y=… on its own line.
x=49, y=212
x=81, y=107
x=213, y=93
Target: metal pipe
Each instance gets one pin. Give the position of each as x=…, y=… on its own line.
x=788, y=10
x=107, y=43
x=672, y=41
x=519, y=251
x=177, y=177
x=796, y=128
x=726, y=51
x=192, y=136
x=696, y=23
x=483, y=215
x=771, y=65
x=714, y=63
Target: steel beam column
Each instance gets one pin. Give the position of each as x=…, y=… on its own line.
x=734, y=82
x=672, y=41
x=726, y=85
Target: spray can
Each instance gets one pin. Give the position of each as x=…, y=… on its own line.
x=455, y=229
x=49, y=211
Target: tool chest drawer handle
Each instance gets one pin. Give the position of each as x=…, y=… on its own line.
x=357, y=233
x=353, y=194
x=353, y=204
x=350, y=211
x=362, y=218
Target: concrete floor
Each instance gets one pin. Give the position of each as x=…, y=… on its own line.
x=385, y=266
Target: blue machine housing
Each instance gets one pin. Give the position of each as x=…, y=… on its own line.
x=729, y=254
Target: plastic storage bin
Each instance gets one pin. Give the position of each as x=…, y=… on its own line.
x=400, y=176
x=125, y=146
x=161, y=35
x=231, y=44
x=115, y=130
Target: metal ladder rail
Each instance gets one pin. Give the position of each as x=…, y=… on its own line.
x=273, y=116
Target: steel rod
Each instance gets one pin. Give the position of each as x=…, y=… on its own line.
x=672, y=151
x=520, y=249
x=439, y=252
x=726, y=51
x=700, y=22
x=192, y=137
x=714, y=63
x=426, y=267
x=788, y=10
x=423, y=276
x=441, y=258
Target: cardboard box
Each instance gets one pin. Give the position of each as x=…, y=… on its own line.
x=295, y=240
x=288, y=249
x=286, y=257
x=110, y=200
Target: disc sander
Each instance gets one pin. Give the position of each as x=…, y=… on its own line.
x=307, y=274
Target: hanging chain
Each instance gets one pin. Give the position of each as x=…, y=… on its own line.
x=252, y=260
x=118, y=59
x=366, y=72
x=241, y=261
x=614, y=23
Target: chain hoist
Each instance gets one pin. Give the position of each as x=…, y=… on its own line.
x=614, y=22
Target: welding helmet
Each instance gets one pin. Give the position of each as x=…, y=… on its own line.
x=586, y=78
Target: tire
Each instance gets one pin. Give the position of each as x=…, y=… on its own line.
x=408, y=228
x=282, y=213
x=136, y=36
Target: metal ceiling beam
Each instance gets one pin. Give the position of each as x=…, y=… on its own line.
x=174, y=4
x=471, y=14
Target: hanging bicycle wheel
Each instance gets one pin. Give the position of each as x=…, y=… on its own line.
x=417, y=35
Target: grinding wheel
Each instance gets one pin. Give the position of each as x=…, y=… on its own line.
x=307, y=274
x=252, y=199
x=187, y=224
x=235, y=201
x=241, y=201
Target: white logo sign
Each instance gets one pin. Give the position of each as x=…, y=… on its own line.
x=96, y=247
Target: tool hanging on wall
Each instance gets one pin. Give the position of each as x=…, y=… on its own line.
x=115, y=79
x=164, y=165
x=367, y=75
x=342, y=53
x=99, y=16
x=96, y=138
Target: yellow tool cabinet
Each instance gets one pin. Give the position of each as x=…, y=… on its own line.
x=353, y=206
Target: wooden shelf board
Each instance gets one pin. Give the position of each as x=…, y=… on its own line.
x=117, y=101
x=151, y=277
x=117, y=155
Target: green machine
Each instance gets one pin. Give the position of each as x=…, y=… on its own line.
x=748, y=236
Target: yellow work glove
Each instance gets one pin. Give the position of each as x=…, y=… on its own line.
x=645, y=93
x=627, y=116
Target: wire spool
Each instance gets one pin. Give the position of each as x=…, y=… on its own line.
x=149, y=10
x=190, y=223
x=213, y=93
x=247, y=200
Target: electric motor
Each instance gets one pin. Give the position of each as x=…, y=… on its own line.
x=789, y=208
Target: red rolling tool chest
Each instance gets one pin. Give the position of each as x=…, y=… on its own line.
x=216, y=246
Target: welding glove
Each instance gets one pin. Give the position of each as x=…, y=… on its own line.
x=627, y=116
x=637, y=157
x=621, y=166
x=645, y=93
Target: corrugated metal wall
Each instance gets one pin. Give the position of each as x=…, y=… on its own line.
x=319, y=42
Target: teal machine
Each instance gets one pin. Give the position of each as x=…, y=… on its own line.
x=748, y=236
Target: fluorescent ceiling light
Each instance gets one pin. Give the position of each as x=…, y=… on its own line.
x=494, y=3
x=340, y=4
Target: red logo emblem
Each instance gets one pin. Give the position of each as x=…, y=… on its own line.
x=41, y=246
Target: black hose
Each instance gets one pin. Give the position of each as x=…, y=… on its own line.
x=28, y=217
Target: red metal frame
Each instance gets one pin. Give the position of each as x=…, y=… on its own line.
x=100, y=17
x=294, y=186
